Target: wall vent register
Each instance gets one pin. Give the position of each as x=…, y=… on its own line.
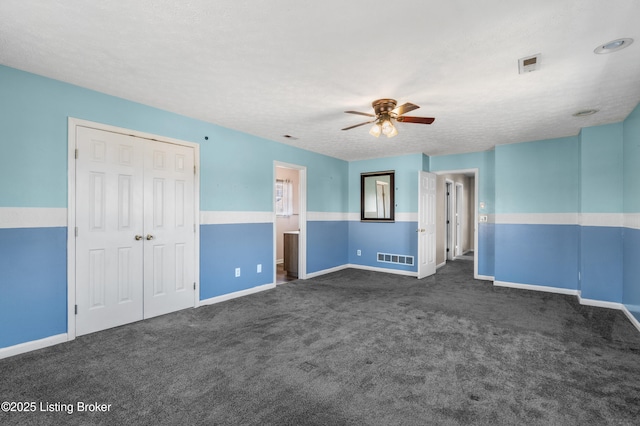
x=395, y=258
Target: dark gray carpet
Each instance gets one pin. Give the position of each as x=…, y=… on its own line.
x=352, y=347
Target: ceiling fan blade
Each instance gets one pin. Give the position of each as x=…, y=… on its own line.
x=404, y=108
x=358, y=125
x=360, y=113
x=420, y=120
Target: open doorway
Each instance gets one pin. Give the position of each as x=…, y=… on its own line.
x=456, y=216
x=289, y=222
x=449, y=209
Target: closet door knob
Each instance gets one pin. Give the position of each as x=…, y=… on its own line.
x=138, y=237
x=149, y=237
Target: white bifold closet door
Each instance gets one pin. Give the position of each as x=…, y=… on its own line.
x=135, y=229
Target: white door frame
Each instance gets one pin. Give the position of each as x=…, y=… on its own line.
x=302, y=218
x=459, y=213
x=476, y=182
x=450, y=243
x=71, y=207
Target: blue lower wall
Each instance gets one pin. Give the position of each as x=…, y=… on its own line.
x=601, y=263
x=226, y=247
x=544, y=255
x=486, y=249
x=327, y=244
x=33, y=284
x=33, y=279
x=371, y=238
x=631, y=273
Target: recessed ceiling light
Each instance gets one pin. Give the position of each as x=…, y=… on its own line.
x=585, y=112
x=613, y=46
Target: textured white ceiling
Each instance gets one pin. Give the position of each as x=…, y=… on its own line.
x=271, y=68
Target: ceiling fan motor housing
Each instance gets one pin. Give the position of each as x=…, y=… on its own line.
x=383, y=106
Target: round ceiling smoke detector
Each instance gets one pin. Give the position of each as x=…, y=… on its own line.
x=585, y=112
x=613, y=46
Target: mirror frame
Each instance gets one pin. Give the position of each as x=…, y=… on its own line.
x=392, y=209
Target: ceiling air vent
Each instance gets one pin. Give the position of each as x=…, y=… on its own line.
x=528, y=64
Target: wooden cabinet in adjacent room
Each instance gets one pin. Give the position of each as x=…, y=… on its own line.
x=291, y=253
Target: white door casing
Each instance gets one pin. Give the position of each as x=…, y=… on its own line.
x=449, y=243
x=473, y=211
x=426, y=225
x=302, y=218
x=136, y=229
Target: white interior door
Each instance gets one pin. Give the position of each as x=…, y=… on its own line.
x=427, y=225
x=135, y=219
x=169, y=228
x=109, y=186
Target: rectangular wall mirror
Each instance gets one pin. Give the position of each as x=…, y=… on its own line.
x=377, y=196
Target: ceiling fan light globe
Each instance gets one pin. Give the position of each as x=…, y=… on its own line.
x=387, y=127
x=393, y=132
x=375, y=130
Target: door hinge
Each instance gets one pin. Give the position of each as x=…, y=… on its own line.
x=76, y=310
x=194, y=228
x=76, y=153
x=194, y=170
x=76, y=231
x=194, y=286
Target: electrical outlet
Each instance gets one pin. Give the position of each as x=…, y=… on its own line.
x=484, y=218
x=237, y=272
x=259, y=267
x=359, y=252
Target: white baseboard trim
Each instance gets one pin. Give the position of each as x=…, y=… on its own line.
x=441, y=265
x=327, y=271
x=544, y=288
x=633, y=319
x=599, y=303
x=388, y=271
x=363, y=267
x=485, y=277
x=234, y=295
x=577, y=293
x=33, y=345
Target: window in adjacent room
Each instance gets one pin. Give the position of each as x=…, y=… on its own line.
x=284, y=197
